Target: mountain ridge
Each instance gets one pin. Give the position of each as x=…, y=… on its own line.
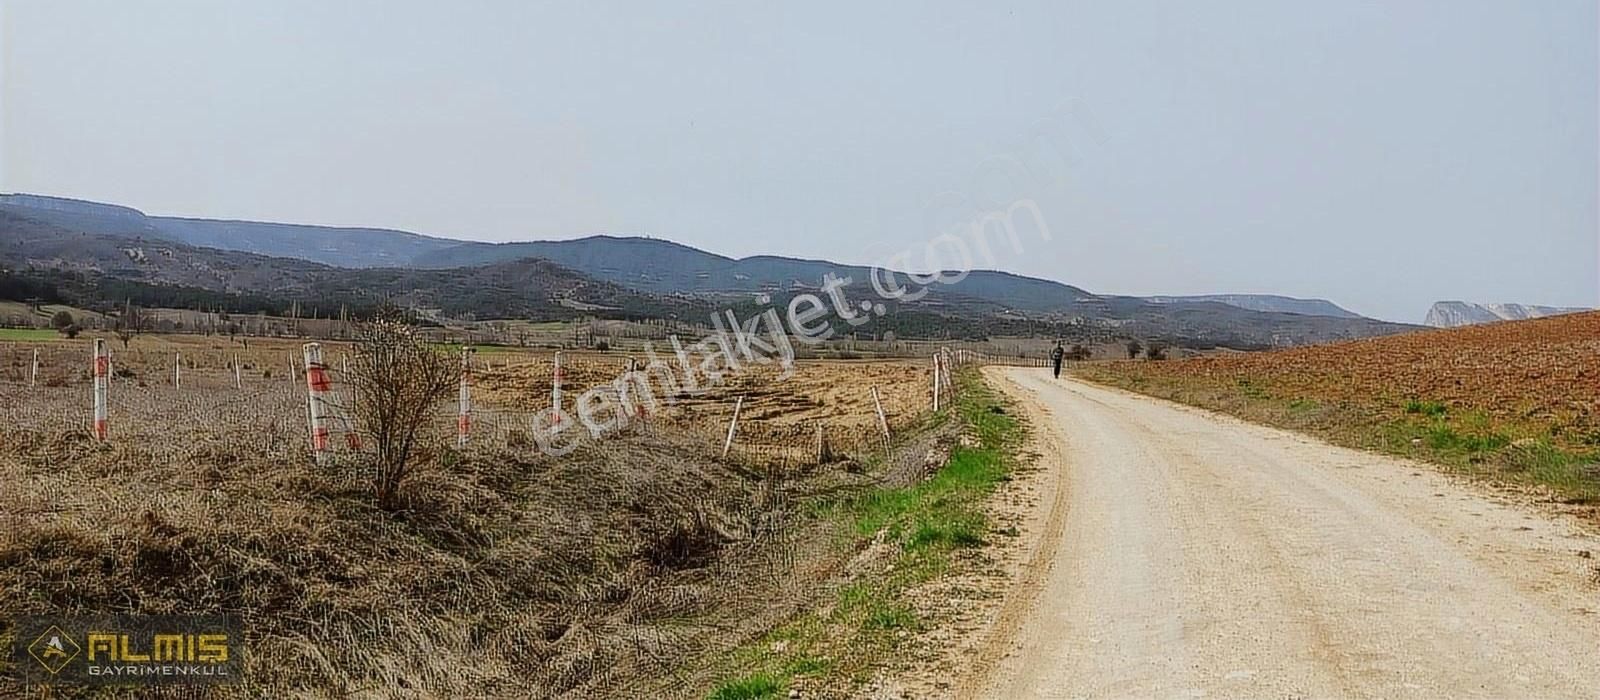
x=1267, y=302
x=649, y=275
x=1454, y=314
x=354, y=247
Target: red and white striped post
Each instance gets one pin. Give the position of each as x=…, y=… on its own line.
x=102, y=374
x=317, y=386
x=464, y=399
x=555, y=392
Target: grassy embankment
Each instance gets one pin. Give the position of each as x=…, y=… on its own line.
x=864, y=621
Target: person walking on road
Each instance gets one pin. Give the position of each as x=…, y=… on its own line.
x=1055, y=358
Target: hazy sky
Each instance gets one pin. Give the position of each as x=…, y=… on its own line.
x=1381, y=154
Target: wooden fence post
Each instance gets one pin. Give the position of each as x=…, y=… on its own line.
x=464, y=399
x=945, y=358
x=238, y=380
x=177, y=370
x=555, y=391
x=727, y=443
x=33, y=379
x=883, y=423
x=824, y=450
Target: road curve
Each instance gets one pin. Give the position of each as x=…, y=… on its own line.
x=1202, y=556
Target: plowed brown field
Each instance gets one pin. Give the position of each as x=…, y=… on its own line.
x=1519, y=400
x=1544, y=371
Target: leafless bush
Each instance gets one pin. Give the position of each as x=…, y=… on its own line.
x=398, y=379
x=130, y=323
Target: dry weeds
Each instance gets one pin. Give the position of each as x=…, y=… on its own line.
x=500, y=572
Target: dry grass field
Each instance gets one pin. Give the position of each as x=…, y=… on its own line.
x=1516, y=401
x=504, y=572
x=779, y=418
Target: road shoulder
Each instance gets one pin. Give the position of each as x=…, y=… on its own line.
x=976, y=613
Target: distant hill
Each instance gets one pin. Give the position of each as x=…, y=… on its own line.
x=27, y=242
x=517, y=289
x=340, y=247
x=672, y=268
x=655, y=265
x=1267, y=302
x=1452, y=314
x=626, y=276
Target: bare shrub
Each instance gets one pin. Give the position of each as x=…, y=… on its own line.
x=398, y=379
x=130, y=323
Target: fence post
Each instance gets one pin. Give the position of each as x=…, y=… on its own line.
x=102, y=372
x=238, y=381
x=555, y=391
x=33, y=379
x=945, y=358
x=883, y=423
x=177, y=370
x=727, y=443
x=935, y=382
x=316, y=396
x=347, y=406
x=464, y=399
x=944, y=373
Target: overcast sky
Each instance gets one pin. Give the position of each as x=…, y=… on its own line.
x=1381, y=154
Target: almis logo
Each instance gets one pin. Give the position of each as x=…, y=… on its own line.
x=54, y=649
x=204, y=648
x=129, y=649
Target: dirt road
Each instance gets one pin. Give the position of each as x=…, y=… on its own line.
x=1201, y=556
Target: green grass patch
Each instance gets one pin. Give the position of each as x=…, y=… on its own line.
x=807, y=666
x=1304, y=405
x=754, y=687
x=1446, y=439
x=963, y=532
x=1432, y=409
x=1571, y=474
x=29, y=334
x=866, y=620
x=1472, y=443
x=1250, y=390
x=892, y=616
